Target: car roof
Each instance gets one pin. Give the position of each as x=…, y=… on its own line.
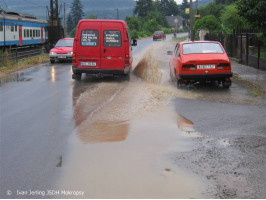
x=198, y=41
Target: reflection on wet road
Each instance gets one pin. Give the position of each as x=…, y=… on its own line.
x=107, y=164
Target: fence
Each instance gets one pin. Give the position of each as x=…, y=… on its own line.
x=16, y=54
x=243, y=45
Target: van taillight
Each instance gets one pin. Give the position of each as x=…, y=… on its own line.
x=188, y=67
x=74, y=58
x=127, y=59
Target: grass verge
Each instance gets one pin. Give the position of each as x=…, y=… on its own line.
x=179, y=39
x=253, y=89
x=25, y=63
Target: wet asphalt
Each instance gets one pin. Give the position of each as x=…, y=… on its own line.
x=108, y=138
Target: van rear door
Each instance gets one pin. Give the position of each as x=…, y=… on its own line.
x=89, y=47
x=113, y=50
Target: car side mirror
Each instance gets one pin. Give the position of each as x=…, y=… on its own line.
x=134, y=42
x=169, y=53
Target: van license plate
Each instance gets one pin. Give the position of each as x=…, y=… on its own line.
x=205, y=66
x=61, y=56
x=88, y=64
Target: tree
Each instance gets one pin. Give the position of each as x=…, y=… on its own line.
x=160, y=19
x=133, y=23
x=151, y=26
x=69, y=23
x=76, y=12
x=211, y=9
x=143, y=7
x=231, y=19
x=208, y=22
x=254, y=11
x=184, y=5
x=91, y=16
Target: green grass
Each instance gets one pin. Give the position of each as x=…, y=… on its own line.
x=262, y=54
x=10, y=66
x=179, y=39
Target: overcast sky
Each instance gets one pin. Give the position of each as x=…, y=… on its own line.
x=179, y=1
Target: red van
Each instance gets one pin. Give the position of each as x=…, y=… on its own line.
x=102, y=47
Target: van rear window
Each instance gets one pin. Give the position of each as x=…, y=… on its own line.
x=89, y=38
x=112, y=38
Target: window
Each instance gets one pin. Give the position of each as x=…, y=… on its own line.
x=201, y=48
x=65, y=43
x=112, y=38
x=25, y=33
x=16, y=27
x=89, y=38
x=12, y=27
x=30, y=32
x=33, y=33
x=1, y=26
x=177, y=51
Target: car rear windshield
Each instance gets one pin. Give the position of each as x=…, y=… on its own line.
x=202, y=48
x=89, y=38
x=65, y=43
x=158, y=32
x=112, y=38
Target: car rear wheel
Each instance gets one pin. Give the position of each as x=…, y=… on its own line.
x=52, y=61
x=76, y=76
x=179, y=83
x=226, y=84
x=127, y=77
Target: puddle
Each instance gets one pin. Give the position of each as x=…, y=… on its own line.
x=132, y=161
x=125, y=138
x=186, y=126
x=103, y=131
x=15, y=77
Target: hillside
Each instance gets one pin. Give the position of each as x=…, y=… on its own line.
x=100, y=8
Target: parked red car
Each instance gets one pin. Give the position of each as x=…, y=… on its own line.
x=200, y=61
x=158, y=35
x=63, y=50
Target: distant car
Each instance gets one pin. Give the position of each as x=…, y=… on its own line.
x=62, y=51
x=158, y=35
x=200, y=61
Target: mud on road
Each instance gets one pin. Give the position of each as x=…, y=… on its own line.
x=145, y=138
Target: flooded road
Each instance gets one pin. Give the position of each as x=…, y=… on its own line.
x=109, y=138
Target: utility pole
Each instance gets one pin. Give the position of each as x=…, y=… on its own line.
x=117, y=14
x=191, y=21
x=65, y=16
x=54, y=28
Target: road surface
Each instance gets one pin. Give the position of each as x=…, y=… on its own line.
x=109, y=138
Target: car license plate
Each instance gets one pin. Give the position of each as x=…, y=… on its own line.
x=205, y=66
x=88, y=64
x=61, y=56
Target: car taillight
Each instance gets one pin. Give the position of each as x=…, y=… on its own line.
x=225, y=66
x=127, y=59
x=188, y=67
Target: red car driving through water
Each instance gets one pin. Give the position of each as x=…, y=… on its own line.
x=200, y=61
